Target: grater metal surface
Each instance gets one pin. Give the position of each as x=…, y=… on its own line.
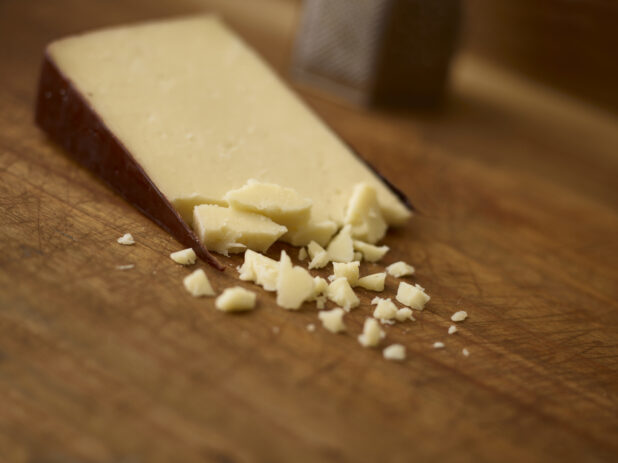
x=372, y=51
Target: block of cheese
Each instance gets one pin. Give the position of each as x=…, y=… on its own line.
x=176, y=113
x=225, y=230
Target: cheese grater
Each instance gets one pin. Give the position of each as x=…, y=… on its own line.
x=377, y=52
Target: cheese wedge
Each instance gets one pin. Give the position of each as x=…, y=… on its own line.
x=177, y=113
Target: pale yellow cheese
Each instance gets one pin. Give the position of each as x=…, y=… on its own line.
x=364, y=215
x=373, y=282
x=372, y=333
x=260, y=269
x=385, y=309
x=226, y=230
x=342, y=294
x=332, y=320
x=197, y=284
x=371, y=252
x=341, y=248
x=400, y=269
x=412, y=296
x=394, y=352
x=282, y=205
x=319, y=256
x=320, y=231
x=294, y=284
x=202, y=114
x=235, y=299
x=404, y=314
x=459, y=316
x=184, y=257
x=126, y=240
x=320, y=285
x=302, y=254
x=347, y=270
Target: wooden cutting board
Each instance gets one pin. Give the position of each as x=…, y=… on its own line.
x=517, y=200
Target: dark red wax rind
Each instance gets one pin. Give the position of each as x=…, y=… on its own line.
x=65, y=115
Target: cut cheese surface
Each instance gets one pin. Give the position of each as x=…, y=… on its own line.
x=225, y=230
x=202, y=114
x=283, y=205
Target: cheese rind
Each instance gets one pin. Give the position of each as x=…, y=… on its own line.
x=235, y=299
x=226, y=230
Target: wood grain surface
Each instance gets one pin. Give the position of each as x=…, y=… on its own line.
x=517, y=223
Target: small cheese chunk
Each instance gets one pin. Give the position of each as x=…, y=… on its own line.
x=302, y=254
x=394, y=352
x=372, y=333
x=260, y=269
x=342, y=294
x=404, y=314
x=320, y=302
x=235, y=299
x=438, y=345
x=452, y=329
x=465, y=352
x=311, y=327
x=332, y=320
x=197, y=284
x=282, y=205
x=373, y=282
x=319, y=256
x=126, y=239
x=371, y=252
x=364, y=214
x=385, y=309
x=412, y=296
x=294, y=284
x=341, y=248
x=225, y=230
x=320, y=231
x=400, y=269
x=184, y=257
x=347, y=270
x=320, y=285
x=459, y=316
x=125, y=267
